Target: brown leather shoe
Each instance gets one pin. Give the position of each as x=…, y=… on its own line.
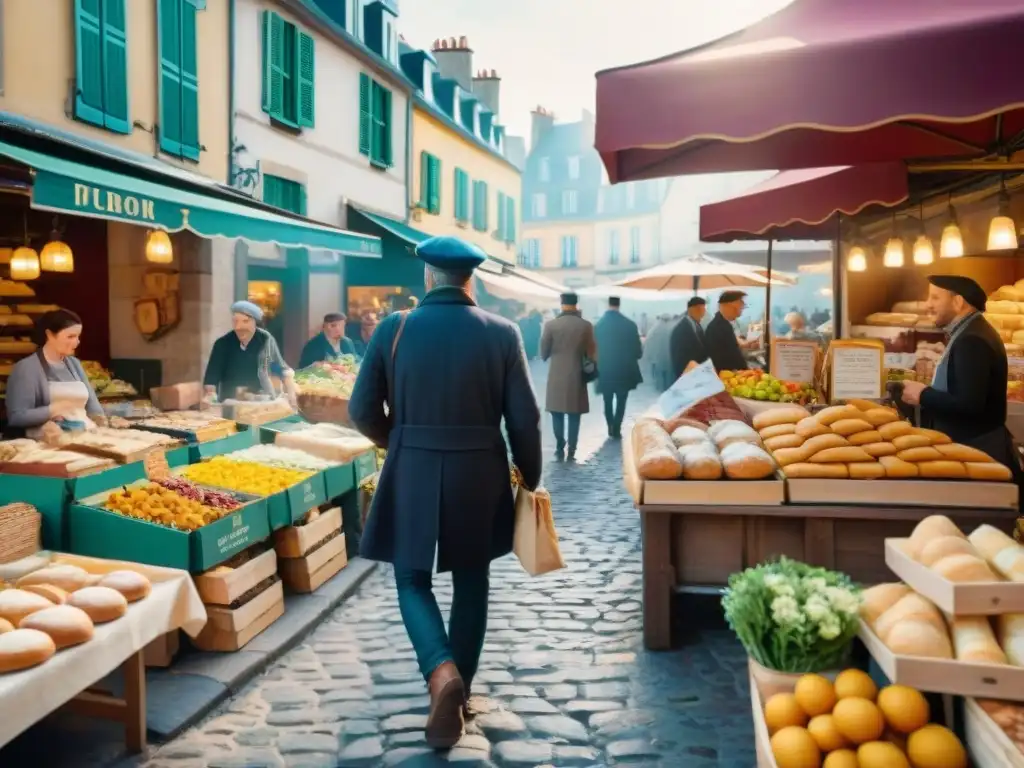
x=446, y=720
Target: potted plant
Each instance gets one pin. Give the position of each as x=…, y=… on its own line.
x=792, y=618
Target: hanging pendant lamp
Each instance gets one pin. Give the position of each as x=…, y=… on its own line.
x=893, y=257
x=24, y=260
x=952, y=243
x=56, y=255
x=924, y=252
x=1002, y=230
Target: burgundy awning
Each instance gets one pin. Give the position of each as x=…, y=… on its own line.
x=823, y=83
x=803, y=204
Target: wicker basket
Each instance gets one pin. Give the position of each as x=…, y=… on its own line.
x=319, y=409
x=20, y=525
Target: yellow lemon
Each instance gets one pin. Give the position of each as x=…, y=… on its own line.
x=936, y=747
x=781, y=711
x=905, y=709
x=793, y=747
x=823, y=729
x=881, y=754
x=853, y=683
x=815, y=694
x=843, y=758
x=859, y=720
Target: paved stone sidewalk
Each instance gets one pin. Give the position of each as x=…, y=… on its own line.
x=564, y=678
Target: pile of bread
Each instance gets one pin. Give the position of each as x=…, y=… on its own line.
x=864, y=441
x=693, y=451
x=911, y=625
x=904, y=314
x=57, y=607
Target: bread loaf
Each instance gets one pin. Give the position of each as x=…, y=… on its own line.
x=24, y=648
x=896, y=468
x=1002, y=307
x=1005, y=322
x=915, y=455
x=829, y=416
x=879, y=416
x=67, y=577
x=5, y=626
x=846, y=455
x=785, y=457
x=16, y=604
x=944, y=546
x=55, y=595
x=1010, y=633
x=656, y=455
x=846, y=427
x=988, y=471
x=862, y=405
x=865, y=438
x=671, y=425
x=811, y=427
x=727, y=432
x=102, y=604
x=824, y=442
x=958, y=452
x=930, y=528
x=937, y=438
x=689, y=436
x=942, y=470
x=866, y=470
x=964, y=569
x=906, y=442
x=134, y=586
x=700, y=461
x=1000, y=551
x=65, y=624
x=880, y=598
x=777, y=430
x=743, y=461
x=919, y=638
x=907, y=608
x=783, y=441
x=895, y=429
x=803, y=470
x=785, y=414
x=879, y=449
x=1007, y=293
x=974, y=641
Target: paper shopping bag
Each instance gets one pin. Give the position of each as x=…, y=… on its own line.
x=536, y=542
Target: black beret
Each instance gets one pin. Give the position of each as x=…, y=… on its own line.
x=972, y=293
x=696, y=301
x=570, y=299
x=333, y=317
x=450, y=254
x=614, y=301
x=728, y=296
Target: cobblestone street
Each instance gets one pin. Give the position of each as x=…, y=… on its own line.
x=564, y=678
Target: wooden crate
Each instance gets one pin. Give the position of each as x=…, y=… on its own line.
x=982, y=598
x=296, y=540
x=231, y=630
x=987, y=743
x=224, y=587
x=904, y=493
x=161, y=652
x=307, y=574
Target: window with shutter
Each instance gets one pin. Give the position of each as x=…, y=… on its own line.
x=289, y=73
x=425, y=168
x=510, y=219
x=306, y=76
x=378, y=124
x=179, y=82
x=461, y=195
x=285, y=194
x=365, y=114
x=501, y=216
x=480, y=206
x=101, y=64
x=434, y=199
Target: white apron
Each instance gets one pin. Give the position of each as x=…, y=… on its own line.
x=74, y=393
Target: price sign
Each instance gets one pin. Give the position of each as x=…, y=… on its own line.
x=795, y=360
x=156, y=466
x=857, y=371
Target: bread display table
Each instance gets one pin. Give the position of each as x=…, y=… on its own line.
x=69, y=678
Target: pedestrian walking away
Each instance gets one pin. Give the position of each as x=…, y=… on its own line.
x=620, y=350
x=687, y=344
x=567, y=342
x=444, y=489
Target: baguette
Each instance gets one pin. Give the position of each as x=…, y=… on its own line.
x=787, y=456
x=942, y=470
x=931, y=528
x=895, y=429
x=915, y=455
x=700, y=461
x=803, y=470
x=963, y=569
x=910, y=607
x=896, y=468
x=832, y=414
x=937, y=438
x=844, y=455
x=879, y=449
x=1010, y=633
x=742, y=461
x=811, y=427
x=862, y=405
x=1000, y=551
x=786, y=414
x=783, y=441
x=777, y=430
x=865, y=438
x=905, y=442
x=990, y=471
x=916, y=637
x=958, y=452
x=974, y=641
x=944, y=546
x=880, y=598
x=879, y=416
x=866, y=470
x=823, y=442
x=846, y=427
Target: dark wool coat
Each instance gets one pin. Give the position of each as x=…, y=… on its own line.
x=619, y=350
x=319, y=349
x=722, y=346
x=457, y=371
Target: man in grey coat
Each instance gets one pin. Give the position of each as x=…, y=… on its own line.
x=567, y=341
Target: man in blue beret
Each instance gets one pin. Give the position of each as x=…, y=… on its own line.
x=244, y=358
x=433, y=388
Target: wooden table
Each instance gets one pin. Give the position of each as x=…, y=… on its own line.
x=696, y=548
x=129, y=710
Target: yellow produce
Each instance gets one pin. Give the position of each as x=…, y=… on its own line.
x=781, y=711
x=245, y=476
x=936, y=747
x=793, y=747
x=159, y=505
x=905, y=709
x=881, y=754
x=843, y=758
x=823, y=729
x=815, y=694
x=855, y=683
x=859, y=720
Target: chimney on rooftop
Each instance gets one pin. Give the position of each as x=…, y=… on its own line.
x=541, y=121
x=455, y=61
x=487, y=88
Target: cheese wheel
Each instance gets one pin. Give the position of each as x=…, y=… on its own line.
x=1000, y=551
x=880, y=598
x=964, y=568
x=974, y=641
x=102, y=604
x=936, y=549
x=783, y=441
x=786, y=414
x=920, y=638
x=908, y=608
x=811, y=427
x=896, y=468
x=803, y=470
x=16, y=604
x=67, y=577
x=879, y=416
x=24, y=648
x=845, y=455
x=895, y=429
x=990, y=471
x=846, y=427
x=915, y=455
x=942, y=470
x=777, y=430
x=65, y=624
x=832, y=414
x=865, y=438
x=866, y=470
x=937, y=438
x=879, y=449
x=134, y=586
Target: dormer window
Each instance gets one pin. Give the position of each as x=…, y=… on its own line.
x=428, y=81
x=380, y=29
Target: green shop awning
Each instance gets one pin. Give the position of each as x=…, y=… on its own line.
x=392, y=226
x=71, y=187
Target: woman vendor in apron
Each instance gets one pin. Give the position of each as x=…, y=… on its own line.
x=967, y=397
x=245, y=357
x=51, y=385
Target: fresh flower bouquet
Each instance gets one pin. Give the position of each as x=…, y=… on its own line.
x=793, y=617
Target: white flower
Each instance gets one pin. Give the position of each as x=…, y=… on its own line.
x=843, y=600
x=786, y=611
x=829, y=630
x=779, y=584
x=817, y=608
x=816, y=584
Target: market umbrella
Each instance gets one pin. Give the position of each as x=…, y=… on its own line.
x=700, y=272
x=824, y=83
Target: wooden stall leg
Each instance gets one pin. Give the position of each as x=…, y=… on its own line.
x=819, y=542
x=135, y=703
x=659, y=578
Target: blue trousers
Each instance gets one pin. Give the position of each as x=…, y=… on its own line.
x=467, y=625
x=558, y=424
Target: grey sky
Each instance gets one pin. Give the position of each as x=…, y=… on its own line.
x=547, y=51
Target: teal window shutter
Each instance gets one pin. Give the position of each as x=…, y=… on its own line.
x=434, y=192
x=306, y=69
x=273, y=65
x=365, y=114
x=88, y=62
x=426, y=168
x=169, y=39
x=501, y=215
x=380, y=142
x=115, y=67
x=461, y=195
x=510, y=220
x=189, y=83
x=285, y=194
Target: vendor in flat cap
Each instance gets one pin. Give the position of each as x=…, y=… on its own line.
x=688, y=344
x=329, y=343
x=245, y=358
x=967, y=396
x=720, y=340
x=620, y=350
x=433, y=389
x=566, y=341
